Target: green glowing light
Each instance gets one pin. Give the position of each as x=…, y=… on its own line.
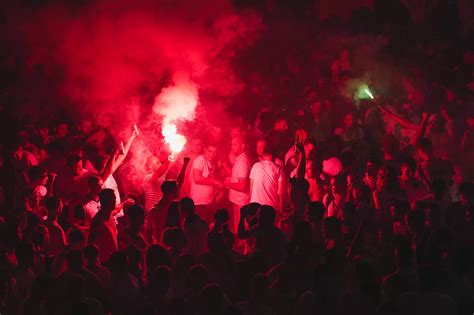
x=369, y=93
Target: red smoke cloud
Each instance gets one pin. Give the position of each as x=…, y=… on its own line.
x=102, y=54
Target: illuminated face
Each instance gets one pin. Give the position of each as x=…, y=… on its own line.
x=43, y=132
x=210, y=153
x=61, y=130
x=260, y=147
x=77, y=168
x=235, y=132
x=197, y=146
x=406, y=171
x=153, y=163
x=301, y=134
x=86, y=127
x=281, y=125
x=163, y=157
x=106, y=122
x=236, y=146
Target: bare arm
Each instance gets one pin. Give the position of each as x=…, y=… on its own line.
x=200, y=180
x=243, y=233
x=182, y=172
x=242, y=185
x=281, y=185
x=108, y=167
x=449, y=122
x=420, y=132
x=51, y=179
x=405, y=123
x=121, y=157
x=301, y=168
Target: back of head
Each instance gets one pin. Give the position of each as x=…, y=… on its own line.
x=93, y=181
x=173, y=237
x=169, y=187
x=266, y=215
x=221, y=215
x=79, y=212
x=36, y=172
x=75, y=259
x=72, y=160
x=156, y=255
x=91, y=253
x=186, y=206
x=107, y=199
x=316, y=211
x=77, y=238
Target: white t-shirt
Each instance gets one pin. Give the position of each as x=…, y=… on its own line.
x=202, y=194
x=241, y=169
x=266, y=175
x=110, y=183
x=91, y=207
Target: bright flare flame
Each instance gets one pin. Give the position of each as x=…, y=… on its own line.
x=173, y=139
x=369, y=93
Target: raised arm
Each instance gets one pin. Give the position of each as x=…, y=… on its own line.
x=121, y=157
x=182, y=171
x=420, y=132
x=108, y=167
x=449, y=122
x=405, y=123
x=301, y=168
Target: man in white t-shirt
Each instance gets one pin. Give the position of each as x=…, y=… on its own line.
x=238, y=183
x=267, y=182
x=204, y=184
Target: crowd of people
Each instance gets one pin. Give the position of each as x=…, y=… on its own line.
x=334, y=206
